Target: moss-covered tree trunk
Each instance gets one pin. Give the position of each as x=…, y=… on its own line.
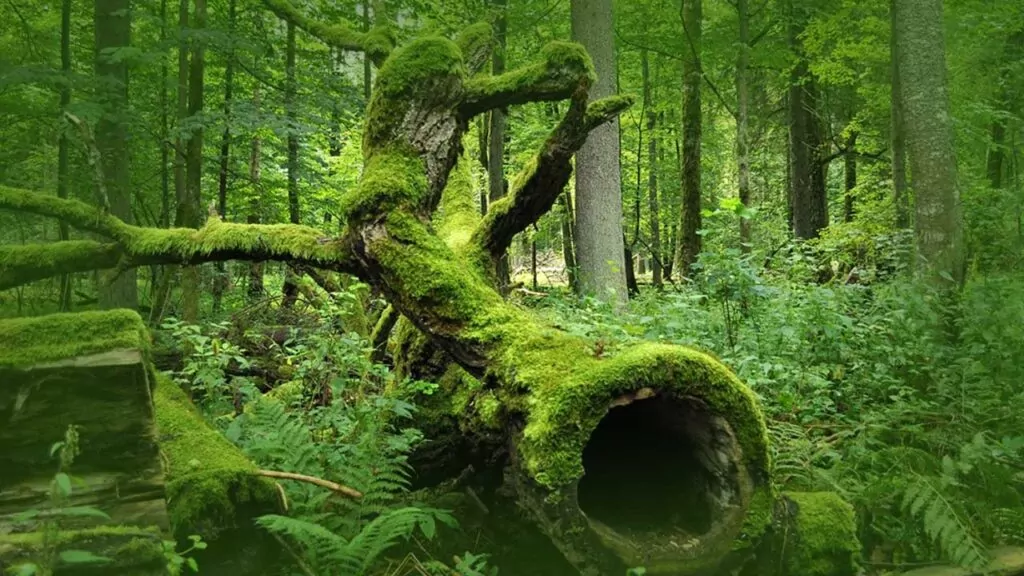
x=651, y=455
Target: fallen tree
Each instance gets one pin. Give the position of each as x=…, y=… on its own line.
x=654, y=456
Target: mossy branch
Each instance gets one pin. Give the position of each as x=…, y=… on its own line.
x=564, y=68
x=377, y=43
x=476, y=43
x=537, y=187
x=134, y=246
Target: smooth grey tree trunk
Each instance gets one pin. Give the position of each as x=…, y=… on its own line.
x=898, y=142
x=113, y=30
x=600, y=250
x=924, y=101
x=654, y=220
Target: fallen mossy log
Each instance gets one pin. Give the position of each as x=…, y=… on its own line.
x=1006, y=561
x=124, y=550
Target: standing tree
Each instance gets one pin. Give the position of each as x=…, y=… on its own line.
x=690, y=223
x=807, y=170
x=113, y=33
x=597, y=235
x=924, y=102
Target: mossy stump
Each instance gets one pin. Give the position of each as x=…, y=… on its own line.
x=89, y=370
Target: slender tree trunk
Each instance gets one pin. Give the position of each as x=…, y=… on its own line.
x=743, y=119
x=367, y=64
x=690, y=243
x=652, y=173
x=568, y=246
x=598, y=232
x=113, y=30
x=808, y=194
x=850, y=174
x=994, y=165
x=192, y=215
x=924, y=96
x=483, y=142
x=165, y=132
x=496, y=146
x=255, y=288
x=898, y=141
x=63, y=164
x=222, y=280
x=291, y=289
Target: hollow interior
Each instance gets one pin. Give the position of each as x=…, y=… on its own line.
x=658, y=465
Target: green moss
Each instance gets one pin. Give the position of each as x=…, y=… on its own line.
x=476, y=42
x=42, y=339
x=457, y=214
x=825, y=541
x=563, y=413
x=127, y=546
x=601, y=110
x=20, y=264
x=758, y=520
x=210, y=483
x=392, y=178
x=562, y=66
x=78, y=214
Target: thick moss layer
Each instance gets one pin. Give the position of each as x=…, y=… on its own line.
x=44, y=339
x=211, y=487
x=822, y=538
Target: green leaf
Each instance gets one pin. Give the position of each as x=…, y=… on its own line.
x=27, y=569
x=63, y=482
x=82, y=557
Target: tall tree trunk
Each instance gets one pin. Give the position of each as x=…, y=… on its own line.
x=924, y=97
x=113, y=30
x=807, y=176
x=690, y=224
x=850, y=176
x=191, y=212
x=165, y=132
x=568, y=244
x=221, y=276
x=652, y=173
x=483, y=142
x=994, y=165
x=255, y=288
x=291, y=289
x=63, y=167
x=743, y=118
x=496, y=145
x=898, y=140
x=598, y=232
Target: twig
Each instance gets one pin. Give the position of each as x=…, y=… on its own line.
x=332, y=486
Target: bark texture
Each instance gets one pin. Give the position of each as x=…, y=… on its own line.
x=690, y=224
x=924, y=101
x=807, y=171
x=598, y=234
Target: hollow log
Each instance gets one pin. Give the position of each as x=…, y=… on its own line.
x=568, y=419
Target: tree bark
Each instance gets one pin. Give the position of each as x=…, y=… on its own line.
x=994, y=163
x=807, y=169
x=496, y=183
x=291, y=289
x=743, y=119
x=63, y=167
x=255, y=288
x=690, y=223
x=850, y=177
x=654, y=221
x=568, y=246
x=924, y=99
x=598, y=232
x=898, y=141
x=113, y=31
x=221, y=280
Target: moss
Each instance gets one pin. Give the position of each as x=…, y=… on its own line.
x=824, y=542
x=42, y=339
x=126, y=546
x=758, y=519
x=457, y=214
x=210, y=483
x=563, y=413
x=78, y=214
x=599, y=111
x=562, y=66
x=26, y=263
x=476, y=42
x=392, y=178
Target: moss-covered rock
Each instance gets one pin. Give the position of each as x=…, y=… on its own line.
x=46, y=339
x=211, y=485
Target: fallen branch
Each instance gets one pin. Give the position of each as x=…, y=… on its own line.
x=332, y=486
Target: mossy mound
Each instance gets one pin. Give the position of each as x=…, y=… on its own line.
x=821, y=537
x=211, y=485
x=55, y=337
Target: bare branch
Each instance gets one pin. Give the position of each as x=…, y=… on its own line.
x=537, y=188
x=564, y=68
x=377, y=43
x=332, y=486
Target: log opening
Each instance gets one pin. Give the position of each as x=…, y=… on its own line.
x=660, y=468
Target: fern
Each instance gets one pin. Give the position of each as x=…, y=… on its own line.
x=926, y=502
